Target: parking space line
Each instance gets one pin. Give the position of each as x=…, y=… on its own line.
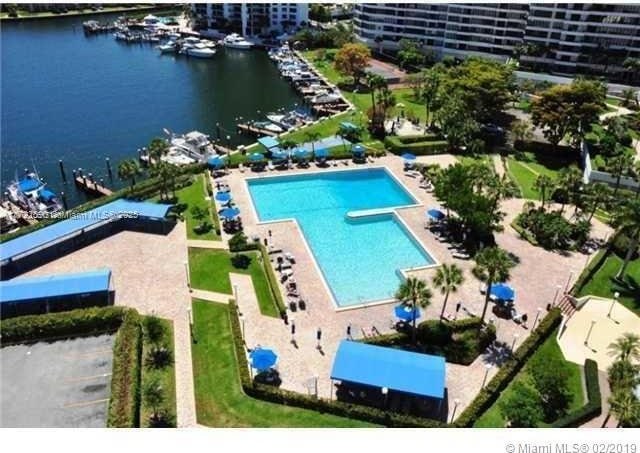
x=87, y=378
x=85, y=403
x=97, y=352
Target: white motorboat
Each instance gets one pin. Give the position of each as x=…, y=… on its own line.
x=200, y=50
x=235, y=41
x=167, y=48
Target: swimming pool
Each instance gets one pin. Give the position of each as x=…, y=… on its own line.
x=360, y=256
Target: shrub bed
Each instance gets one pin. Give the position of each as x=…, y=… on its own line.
x=240, y=243
x=285, y=397
x=593, y=407
x=273, y=281
x=490, y=393
x=551, y=230
x=420, y=145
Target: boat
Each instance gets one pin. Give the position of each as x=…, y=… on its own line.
x=269, y=126
x=167, y=48
x=32, y=195
x=200, y=50
x=235, y=41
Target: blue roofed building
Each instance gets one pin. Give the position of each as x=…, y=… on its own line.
x=53, y=293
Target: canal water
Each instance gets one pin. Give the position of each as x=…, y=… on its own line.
x=82, y=98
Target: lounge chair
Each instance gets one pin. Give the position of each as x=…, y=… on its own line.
x=273, y=250
x=290, y=257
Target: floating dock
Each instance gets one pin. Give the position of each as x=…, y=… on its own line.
x=93, y=187
x=255, y=130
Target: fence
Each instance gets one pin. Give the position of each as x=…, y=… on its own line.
x=590, y=175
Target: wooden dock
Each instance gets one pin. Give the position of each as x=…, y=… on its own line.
x=92, y=187
x=222, y=149
x=255, y=130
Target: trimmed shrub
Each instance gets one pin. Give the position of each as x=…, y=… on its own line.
x=240, y=243
x=288, y=398
x=240, y=261
x=124, y=404
x=272, y=280
x=88, y=321
x=490, y=393
x=420, y=145
x=592, y=408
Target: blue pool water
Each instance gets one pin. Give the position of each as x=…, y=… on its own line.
x=359, y=258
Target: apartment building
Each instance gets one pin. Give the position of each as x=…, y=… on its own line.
x=251, y=19
x=563, y=38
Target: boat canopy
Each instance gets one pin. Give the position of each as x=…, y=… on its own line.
x=28, y=184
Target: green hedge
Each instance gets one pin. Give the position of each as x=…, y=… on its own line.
x=593, y=407
x=273, y=281
x=89, y=321
x=124, y=403
x=490, y=393
x=144, y=189
x=288, y=398
x=524, y=234
x=420, y=145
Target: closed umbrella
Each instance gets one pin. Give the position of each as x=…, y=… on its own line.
x=263, y=359
x=407, y=313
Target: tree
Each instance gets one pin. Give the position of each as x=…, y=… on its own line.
x=522, y=132
x=319, y=13
x=619, y=166
x=379, y=40
x=569, y=183
x=551, y=380
x=543, y=184
x=628, y=220
x=568, y=109
x=626, y=408
x=627, y=347
x=597, y=195
x=416, y=83
x=375, y=82
x=456, y=122
x=351, y=61
x=629, y=98
x=430, y=91
x=492, y=266
x=632, y=65
x=416, y=294
x=448, y=278
x=164, y=172
x=409, y=55
x=129, y=170
x=523, y=407
x=157, y=148
x=622, y=374
x=312, y=136
x=153, y=396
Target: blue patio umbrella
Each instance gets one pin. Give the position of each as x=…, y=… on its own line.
x=435, y=214
x=229, y=213
x=263, y=359
x=322, y=152
x=407, y=313
x=223, y=197
x=255, y=157
x=408, y=156
x=357, y=149
x=216, y=162
x=502, y=291
x=279, y=155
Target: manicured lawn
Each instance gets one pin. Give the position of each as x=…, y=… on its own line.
x=602, y=284
x=194, y=195
x=549, y=349
x=220, y=401
x=209, y=269
x=524, y=178
x=166, y=375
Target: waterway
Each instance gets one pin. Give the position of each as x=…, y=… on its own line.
x=82, y=98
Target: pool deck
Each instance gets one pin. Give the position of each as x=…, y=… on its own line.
x=535, y=278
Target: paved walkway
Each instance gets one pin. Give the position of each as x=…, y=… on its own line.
x=202, y=244
x=498, y=165
x=211, y=296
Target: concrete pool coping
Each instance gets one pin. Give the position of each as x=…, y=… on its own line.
x=391, y=210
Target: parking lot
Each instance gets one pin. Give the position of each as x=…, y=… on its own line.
x=62, y=384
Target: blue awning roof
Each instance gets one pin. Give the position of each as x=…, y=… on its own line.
x=82, y=220
x=29, y=288
x=268, y=142
x=395, y=369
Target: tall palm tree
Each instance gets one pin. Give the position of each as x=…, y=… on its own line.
x=448, y=278
x=430, y=92
x=157, y=148
x=626, y=408
x=163, y=171
x=375, y=82
x=312, y=136
x=628, y=220
x=570, y=180
x=416, y=294
x=619, y=166
x=597, y=194
x=627, y=347
x=492, y=265
x=128, y=170
x=543, y=184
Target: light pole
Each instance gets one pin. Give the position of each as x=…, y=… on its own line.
x=613, y=302
x=186, y=270
x=537, y=317
x=555, y=297
x=487, y=367
x=455, y=406
x=385, y=392
x=586, y=340
x=513, y=345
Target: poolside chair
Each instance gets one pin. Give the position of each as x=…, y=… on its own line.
x=290, y=257
x=270, y=166
x=241, y=168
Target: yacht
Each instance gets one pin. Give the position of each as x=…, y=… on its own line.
x=168, y=47
x=32, y=195
x=200, y=50
x=235, y=41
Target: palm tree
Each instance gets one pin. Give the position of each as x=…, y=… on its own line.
x=128, y=170
x=628, y=97
x=626, y=408
x=543, y=184
x=375, y=82
x=627, y=347
x=569, y=179
x=430, y=92
x=492, y=265
x=312, y=136
x=597, y=194
x=619, y=166
x=163, y=171
x=157, y=148
x=522, y=131
x=153, y=396
x=632, y=65
x=448, y=278
x=628, y=219
x=416, y=294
